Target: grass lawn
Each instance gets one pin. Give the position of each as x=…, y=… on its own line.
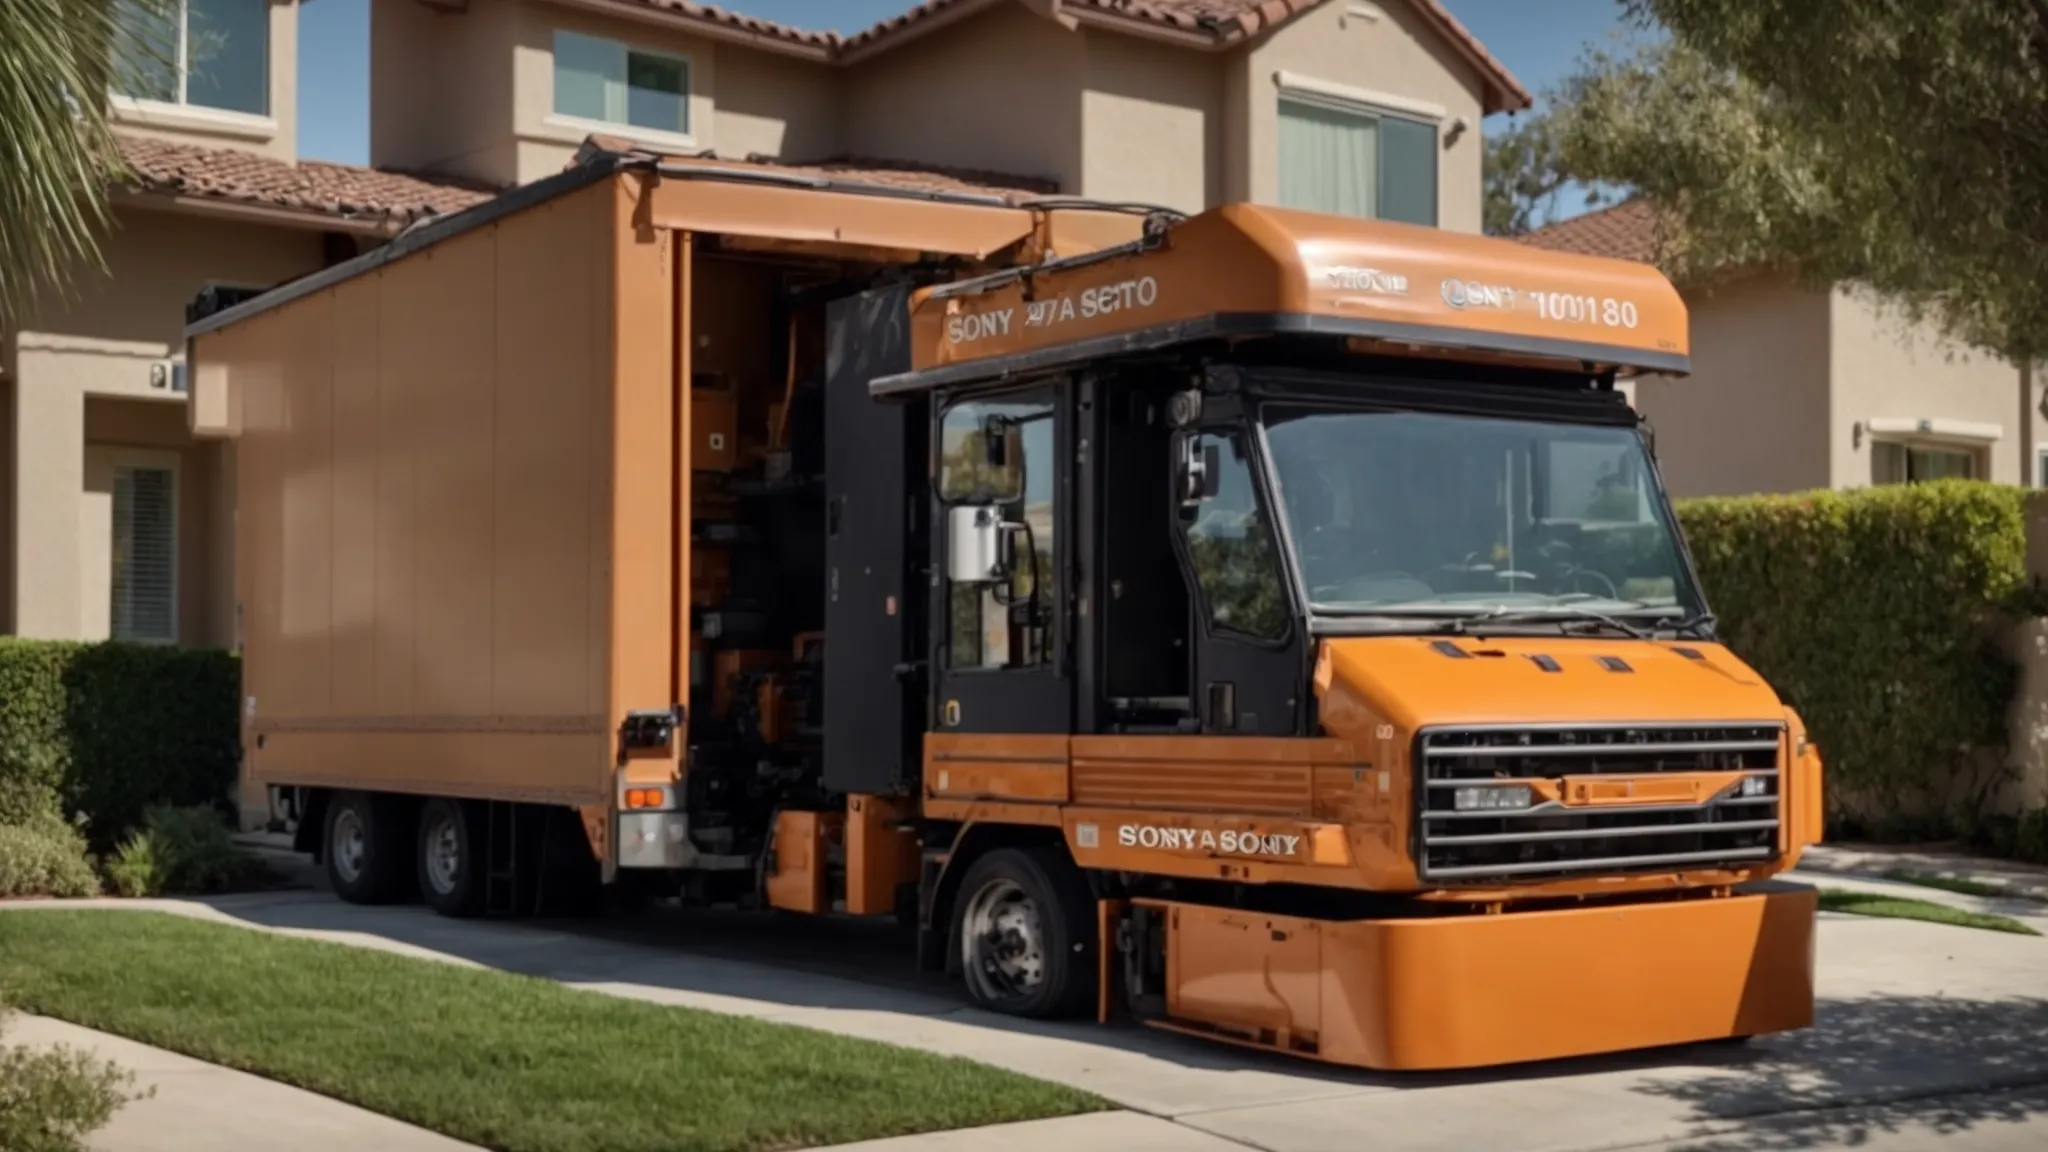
x=1901, y=908
x=508, y=1062
x=1947, y=883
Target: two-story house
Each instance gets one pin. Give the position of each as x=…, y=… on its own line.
x=114, y=521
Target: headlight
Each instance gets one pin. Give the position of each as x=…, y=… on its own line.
x=1492, y=798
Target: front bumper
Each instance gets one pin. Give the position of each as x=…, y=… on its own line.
x=1482, y=990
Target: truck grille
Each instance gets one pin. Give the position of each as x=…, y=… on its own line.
x=1548, y=839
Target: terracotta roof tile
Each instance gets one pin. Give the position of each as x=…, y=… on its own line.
x=1224, y=20
x=741, y=22
x=342, y=190
x=1625, y=231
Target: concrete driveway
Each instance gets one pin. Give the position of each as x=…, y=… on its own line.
x=1929, y=1037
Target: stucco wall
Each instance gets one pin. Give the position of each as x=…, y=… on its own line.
x=1151, y=123
x=1381, y=47
x=275, y=134
x=441, y=89
x=100, y=344
x=1000, y=91
x=1754, y=414
x=1886, y=368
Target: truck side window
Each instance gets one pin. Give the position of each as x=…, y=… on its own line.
x=993, y=626
x=1231, y=544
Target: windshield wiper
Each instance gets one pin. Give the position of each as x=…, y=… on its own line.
x=1460, y=625
x=1701, y=625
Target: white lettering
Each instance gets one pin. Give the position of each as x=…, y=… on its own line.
x=1227, y=842
x=968, y=327
x=1377, y=281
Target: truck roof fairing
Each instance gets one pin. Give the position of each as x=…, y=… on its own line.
x=1247, y=270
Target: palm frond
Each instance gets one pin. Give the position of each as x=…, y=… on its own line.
x=58, y=154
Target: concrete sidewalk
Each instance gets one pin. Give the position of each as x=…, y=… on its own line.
x=2016, y=880
x=201, y=1107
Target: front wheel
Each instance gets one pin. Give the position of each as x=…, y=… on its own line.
x=1025, y=934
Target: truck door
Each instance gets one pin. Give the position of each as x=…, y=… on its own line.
x=1000, y=628
x=1248, y=664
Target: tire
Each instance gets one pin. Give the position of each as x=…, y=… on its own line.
x=364, y=849
x=1024, y=928
x=451, y=870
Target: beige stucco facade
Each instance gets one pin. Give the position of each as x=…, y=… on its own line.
x=90, y=385
x=87, y=390
x=1154, y=118
x=1795, y=388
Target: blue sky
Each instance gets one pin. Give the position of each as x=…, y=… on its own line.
x=1539, y=40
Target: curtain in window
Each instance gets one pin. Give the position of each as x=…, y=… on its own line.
x=1329, y=160
x=144, y=560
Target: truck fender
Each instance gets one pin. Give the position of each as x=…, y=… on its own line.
x=938, y=938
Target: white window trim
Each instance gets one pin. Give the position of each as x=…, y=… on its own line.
x=168, y=461
x=1364, y=101
x=575, y=128
x=192, y=118
x=1960, y=433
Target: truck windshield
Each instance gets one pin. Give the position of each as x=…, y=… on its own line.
x=1409, y=513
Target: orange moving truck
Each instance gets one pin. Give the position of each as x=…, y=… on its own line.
x=1264, y=625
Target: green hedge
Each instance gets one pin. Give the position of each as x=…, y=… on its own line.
x=108, y=730
x=1879, y=613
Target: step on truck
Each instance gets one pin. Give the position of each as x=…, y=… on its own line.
x=1263, y=625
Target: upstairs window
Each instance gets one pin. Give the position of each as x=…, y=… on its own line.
x=198, y=53
x=606, y=82
x=1352, y=161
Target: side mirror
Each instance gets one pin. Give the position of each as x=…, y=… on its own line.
x=977, y=540
x=1201, y=471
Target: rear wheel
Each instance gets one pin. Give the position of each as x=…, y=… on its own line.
x=451, y=880
x=1025, y=932
x=364, y=848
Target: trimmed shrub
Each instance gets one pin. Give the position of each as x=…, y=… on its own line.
x=52, y=1099
x=1879, y=614
x=43, y=856
x=182, y=852
x=104, y=731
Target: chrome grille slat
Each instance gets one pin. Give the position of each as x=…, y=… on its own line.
x=1559, y=809
x=1629, y=862
x=1553, y=839
x=1583, y=749
x=1597, y=833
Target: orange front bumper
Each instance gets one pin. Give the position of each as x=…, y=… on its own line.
x=1482, y=990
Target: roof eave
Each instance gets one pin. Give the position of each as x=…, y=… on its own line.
x=367, y=224
x=821, y=53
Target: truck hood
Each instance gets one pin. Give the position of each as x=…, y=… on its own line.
x=1413, y=681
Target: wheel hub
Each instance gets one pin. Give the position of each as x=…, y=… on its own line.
x=1004, y=942
x=350, y=845
x=443, y=856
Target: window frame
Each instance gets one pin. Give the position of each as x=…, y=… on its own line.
x=1363, y=104
x=1250, y=442
x=180, y=112
x=1976, y=454
x=584, y=125
x=1053, y=653
x=169, y=463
